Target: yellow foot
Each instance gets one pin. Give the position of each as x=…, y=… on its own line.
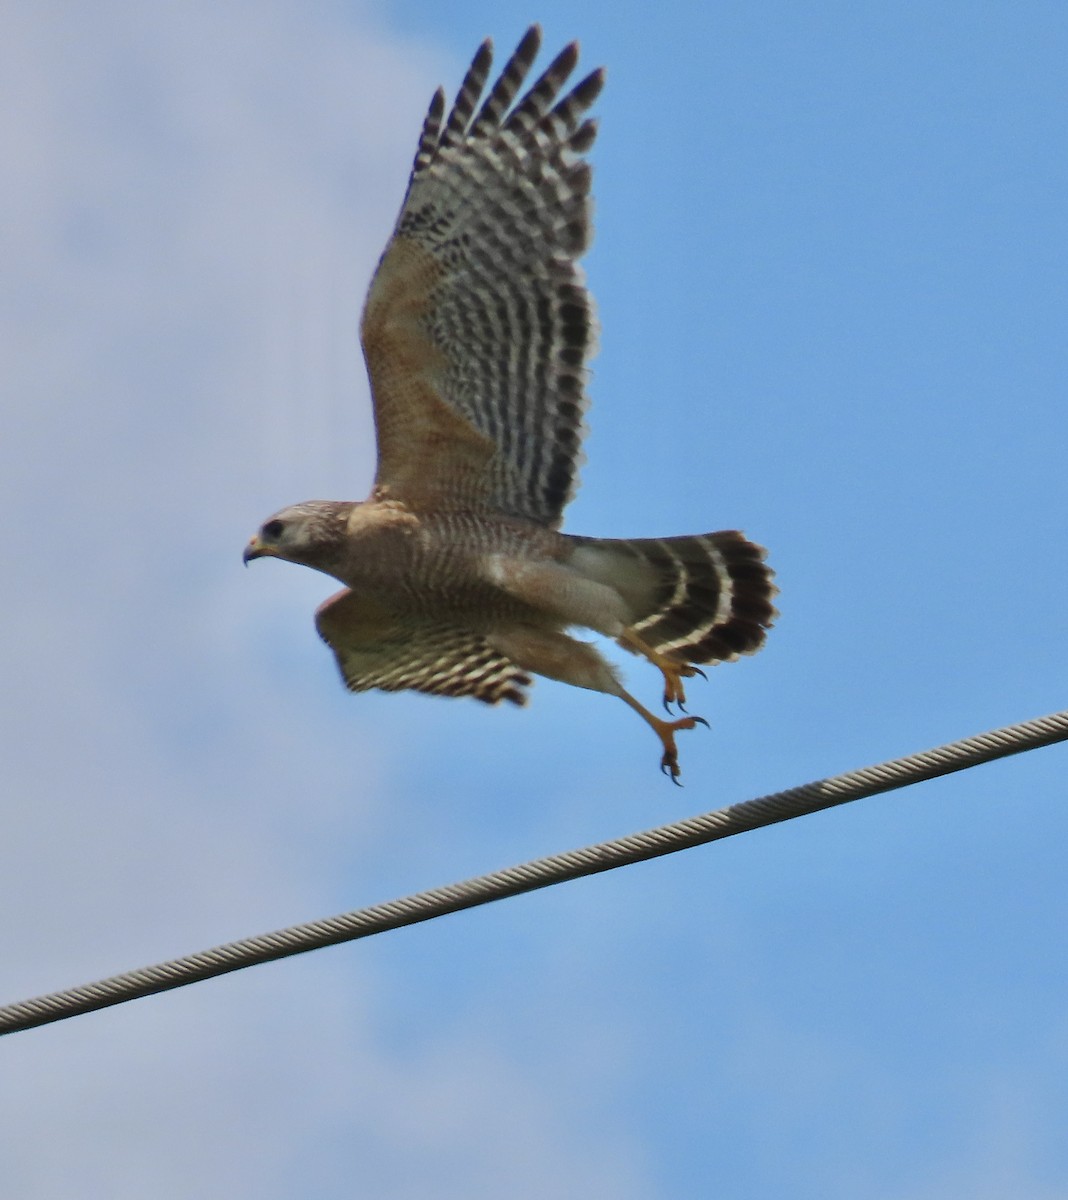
x=666, y=731
x=674, y=673
x=672, y=669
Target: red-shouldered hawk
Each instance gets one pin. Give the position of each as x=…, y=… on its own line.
x=476, y=331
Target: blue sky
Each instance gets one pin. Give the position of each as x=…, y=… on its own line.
x=830, y=270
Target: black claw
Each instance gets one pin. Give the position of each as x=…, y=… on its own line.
x=682, y=708
x=667, y=769
x=702, y=721
x=698, y=671
x=667, y=706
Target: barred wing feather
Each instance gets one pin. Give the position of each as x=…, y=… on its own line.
x=478, y=325
x=375, y=649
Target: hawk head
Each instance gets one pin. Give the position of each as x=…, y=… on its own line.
x=311, y=534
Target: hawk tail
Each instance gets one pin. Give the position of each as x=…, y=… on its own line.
x=700, y=599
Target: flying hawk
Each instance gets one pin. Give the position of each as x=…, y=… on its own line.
x=476, y=331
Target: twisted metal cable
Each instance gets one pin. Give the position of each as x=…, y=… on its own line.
x=541, y=872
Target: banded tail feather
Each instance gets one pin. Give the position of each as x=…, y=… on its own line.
x=705, y=598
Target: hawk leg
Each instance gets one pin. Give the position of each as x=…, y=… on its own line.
x=674, y=672
x=557, y=656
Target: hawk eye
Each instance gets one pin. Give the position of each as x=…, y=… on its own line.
x=272, y=531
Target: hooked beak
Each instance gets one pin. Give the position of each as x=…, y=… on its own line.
x=255, y=549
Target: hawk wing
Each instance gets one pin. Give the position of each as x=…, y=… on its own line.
x=375, y=649
x=477, y=324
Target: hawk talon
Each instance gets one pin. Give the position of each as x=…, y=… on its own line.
x=666, y=730
x=670, y=768
x=674, y=674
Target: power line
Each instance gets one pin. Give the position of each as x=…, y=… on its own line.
x=541, y=872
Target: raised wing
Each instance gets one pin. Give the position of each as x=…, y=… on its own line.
x=478, y=324
x=375, y=649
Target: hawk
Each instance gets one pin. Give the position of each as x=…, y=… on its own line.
x=476, y=331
